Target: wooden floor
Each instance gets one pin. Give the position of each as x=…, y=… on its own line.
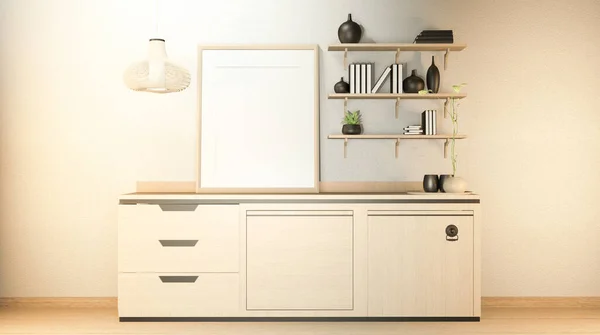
x=27, y=320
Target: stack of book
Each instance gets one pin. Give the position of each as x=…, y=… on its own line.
x=413, y=130
x=429, y=122
x=435, y=36
x=360, y=77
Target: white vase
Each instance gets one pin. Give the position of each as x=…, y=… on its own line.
x=455, y=185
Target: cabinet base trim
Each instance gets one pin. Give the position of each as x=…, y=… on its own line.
x=308, y=319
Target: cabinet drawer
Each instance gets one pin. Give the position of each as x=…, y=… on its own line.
x=178, y=295
x=203, y=238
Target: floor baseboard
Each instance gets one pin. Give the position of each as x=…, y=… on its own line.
x=62, y=302
x=514, y=302
x=541, y=302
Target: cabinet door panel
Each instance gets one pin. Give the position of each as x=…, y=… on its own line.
x=415, y=271
x=299, y=262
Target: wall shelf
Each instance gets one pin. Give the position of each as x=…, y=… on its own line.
x=397, y=47
x=398, y=97
x=397, y=138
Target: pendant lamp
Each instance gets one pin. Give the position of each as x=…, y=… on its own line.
x=157, y=74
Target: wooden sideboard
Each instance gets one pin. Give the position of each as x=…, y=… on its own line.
x=368, y=257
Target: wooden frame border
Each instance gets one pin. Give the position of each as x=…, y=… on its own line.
x=315, y=48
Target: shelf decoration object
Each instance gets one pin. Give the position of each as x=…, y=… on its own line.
x=435, y=36
x=430, y=183
x=157, y=74
x=413, y=83
x=454, y=184
x=352, y=123
x=349, y=31
x=341, y=86
x=433, y=77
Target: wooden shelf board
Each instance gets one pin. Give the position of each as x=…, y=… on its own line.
x=396, y=136
x=396, y=95
x=396, y=46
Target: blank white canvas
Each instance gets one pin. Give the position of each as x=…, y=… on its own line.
x=257, y=119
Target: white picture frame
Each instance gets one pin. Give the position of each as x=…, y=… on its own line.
x=258, y=124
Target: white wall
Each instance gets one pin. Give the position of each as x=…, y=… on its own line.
x=72, y=137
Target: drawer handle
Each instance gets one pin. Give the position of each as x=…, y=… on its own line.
x=178, y=243
x=178, y=279
x=178, y=208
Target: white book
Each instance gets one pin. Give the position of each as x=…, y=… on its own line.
x=363, y=78
x=369, y=77
x=382, y=78
x=356, y=78
x=395, y=78
x=434, y=113
x=352, y=78
x=400, y=77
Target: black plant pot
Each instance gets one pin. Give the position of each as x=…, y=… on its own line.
x=349, y=31
x=430, y=183
x=352, y=129
x=433, y=77
x=341, y=86
x=413, y=83
x=441, y=181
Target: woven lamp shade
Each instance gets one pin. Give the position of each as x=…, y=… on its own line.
x=156, y=74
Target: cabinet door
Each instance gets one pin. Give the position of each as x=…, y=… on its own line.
x=299, y=262
x=414, y=270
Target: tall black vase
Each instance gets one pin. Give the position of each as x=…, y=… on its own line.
x=349, y=31
x=433, y=77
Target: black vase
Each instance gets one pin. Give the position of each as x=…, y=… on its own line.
x=433, y=77
x=351, y=129
x=349, y=31
x=341, y=86
x=430, y=183
x=413, y=83
x=441, y=181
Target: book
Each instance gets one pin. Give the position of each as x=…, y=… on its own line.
x=369, y=77
x=394, y=88
x=351, y=78
x=430, y=32
x=356, y=78
x=363, y=78
x=384, y=75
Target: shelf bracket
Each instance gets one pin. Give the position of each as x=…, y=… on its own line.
x=446, y=148
x=446, y=108
x=398, y=56
x=397, y=146
x=446, y=59
x=345, y=147
x=397, y=106
x=345, y=106
x=346, y=58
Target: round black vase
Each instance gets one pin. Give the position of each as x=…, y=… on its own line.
x=441, y=181
x=349, y=31
x=341, y=86
x=433, y=77
x=430, y=183
x=352, y=129
x=413, y=83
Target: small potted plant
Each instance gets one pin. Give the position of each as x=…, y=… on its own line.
x=352, y=123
